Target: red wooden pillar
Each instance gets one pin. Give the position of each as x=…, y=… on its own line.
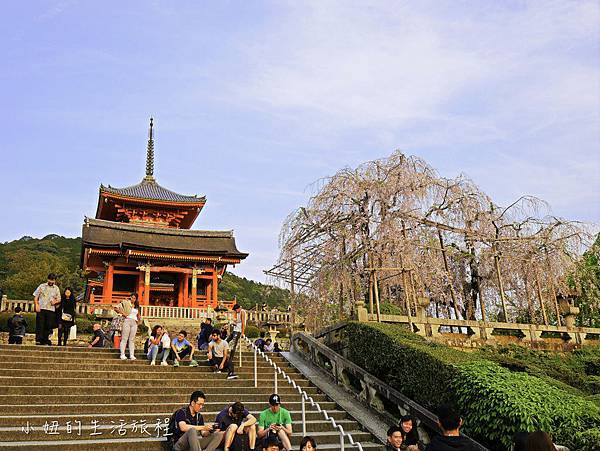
x=107, y=289
x=194, y=288
x=147, y=286
x=186, y=301
x=180, y=290
x=215, y=288
x=140, y=288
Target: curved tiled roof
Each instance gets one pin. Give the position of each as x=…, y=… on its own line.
x=150, y=190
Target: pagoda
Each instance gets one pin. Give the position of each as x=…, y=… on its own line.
x=141, y=242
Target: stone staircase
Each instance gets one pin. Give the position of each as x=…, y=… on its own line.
x=76, y=398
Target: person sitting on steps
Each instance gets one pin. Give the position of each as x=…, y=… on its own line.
x=188, y=431
x=182, y=349
x=159, y=342
x=218, y=352
x=237, y=422
x=275, y=422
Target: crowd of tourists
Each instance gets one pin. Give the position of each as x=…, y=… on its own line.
x=405, y=436
x=54, y=310
x=234, y=427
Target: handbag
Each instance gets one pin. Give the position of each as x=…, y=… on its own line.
x=117, y=323
x=67, y=317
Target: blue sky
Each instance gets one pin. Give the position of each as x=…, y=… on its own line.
x=254, y=101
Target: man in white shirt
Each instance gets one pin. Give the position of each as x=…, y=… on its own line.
x=46, y=297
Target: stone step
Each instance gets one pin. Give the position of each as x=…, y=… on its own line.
x=176, y=387
x=132, y=444
x=224, y=396
x=105, y=418
x=76, y=351
x=147, y=372
x=112, y=430
x=68, y=408
x=116, y=364
x=147, y=382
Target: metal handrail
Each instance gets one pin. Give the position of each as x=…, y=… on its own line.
x=304, y=397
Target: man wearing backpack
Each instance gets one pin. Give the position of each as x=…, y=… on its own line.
x=187, y=428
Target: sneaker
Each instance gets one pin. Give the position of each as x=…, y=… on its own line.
x=164, y=364
x=176, y=363
x=132, y=357
x=232, y=376
x=123, y=357
x=193, y=364
x=218, y=371
x=152, y=363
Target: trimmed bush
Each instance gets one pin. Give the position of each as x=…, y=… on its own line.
x=588, y=440
x=251, y=331
x=29, y=317
x=499, y=403
x=494, y=401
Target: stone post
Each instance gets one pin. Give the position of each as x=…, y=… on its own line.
x=570, y=316
x=361, y=312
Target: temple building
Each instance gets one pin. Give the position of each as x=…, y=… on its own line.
x=140, y=241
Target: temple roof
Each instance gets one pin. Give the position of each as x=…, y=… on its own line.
x=122, y=236
x=149, y=189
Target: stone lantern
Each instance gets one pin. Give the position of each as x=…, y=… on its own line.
x=567, y=307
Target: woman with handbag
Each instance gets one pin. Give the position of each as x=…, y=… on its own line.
x=66, y=316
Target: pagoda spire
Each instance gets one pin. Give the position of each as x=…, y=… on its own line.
x=150, y=153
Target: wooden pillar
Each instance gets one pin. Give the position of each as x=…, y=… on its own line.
x=194, y=287
x=140, y=287
x=107, y=288
x=215, y=288
x=147, y=285
x=186, y=300
x=180, y=290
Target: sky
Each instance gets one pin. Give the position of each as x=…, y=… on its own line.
x=255, y=101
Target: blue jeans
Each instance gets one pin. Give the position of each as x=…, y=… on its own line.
x=153, y=353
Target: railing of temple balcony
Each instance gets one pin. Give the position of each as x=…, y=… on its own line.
x=303, y=396
x=157, y=311
x=372, y=390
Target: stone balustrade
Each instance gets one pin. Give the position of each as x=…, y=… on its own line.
x=368, y=389
x=478, y=333
x=156, y=311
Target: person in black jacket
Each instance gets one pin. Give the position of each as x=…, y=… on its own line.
x=450, y=422
x=17, y=326
x=65, y=316
x=410, y=435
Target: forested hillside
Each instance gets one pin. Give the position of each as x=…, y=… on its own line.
x=26, y=262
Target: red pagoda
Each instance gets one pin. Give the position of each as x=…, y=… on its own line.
x=140, y=241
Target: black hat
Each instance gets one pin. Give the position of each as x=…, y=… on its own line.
x=274, y=399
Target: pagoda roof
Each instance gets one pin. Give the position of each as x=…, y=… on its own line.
x=99, y=233
x=149, y=189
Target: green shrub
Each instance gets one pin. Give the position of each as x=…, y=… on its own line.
x=499, y=403
x=29, y=317
x=494, y=401
x=252, y=331
x=425, y=371
x=387, y=308
x=588, y=440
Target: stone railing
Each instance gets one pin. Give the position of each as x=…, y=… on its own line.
x=478, y=333
x=155, y=311
x=365, y=387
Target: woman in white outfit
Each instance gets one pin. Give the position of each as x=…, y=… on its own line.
x=130, y=329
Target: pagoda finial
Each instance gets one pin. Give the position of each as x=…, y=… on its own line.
x=150, y=153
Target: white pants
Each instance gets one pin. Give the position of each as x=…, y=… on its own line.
x=128, y=335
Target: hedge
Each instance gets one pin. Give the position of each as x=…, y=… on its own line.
x=84, y=324
x=499, y=403
x=495, y=402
